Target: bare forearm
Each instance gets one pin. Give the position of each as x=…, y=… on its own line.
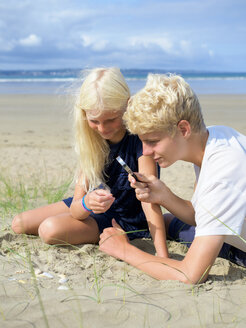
x=157, y=267
x=77, y=211
x=156, y=227
x=179, y=207
x=194, y=268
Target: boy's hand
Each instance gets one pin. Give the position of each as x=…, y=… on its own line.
x=150, y=189
x=114, y=241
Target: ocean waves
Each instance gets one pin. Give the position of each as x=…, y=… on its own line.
x=59, y=81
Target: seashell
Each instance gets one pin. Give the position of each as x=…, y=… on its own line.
x=63, y=279
x=62, y=288
x=47, y=275
x=11, y=278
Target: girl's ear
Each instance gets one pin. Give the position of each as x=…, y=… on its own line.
x=184, y=128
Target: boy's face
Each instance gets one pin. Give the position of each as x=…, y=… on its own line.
x=165, y=150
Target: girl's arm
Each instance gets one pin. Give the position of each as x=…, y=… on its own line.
x=153, y=211
x=99, y=201
x=194, y=268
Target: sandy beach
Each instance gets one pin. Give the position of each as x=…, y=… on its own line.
x=66, y=286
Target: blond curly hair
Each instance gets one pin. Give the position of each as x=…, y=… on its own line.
x=161, y=104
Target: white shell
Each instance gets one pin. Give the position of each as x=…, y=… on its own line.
x=47, y=275
x=63, y=287
x=63, y=280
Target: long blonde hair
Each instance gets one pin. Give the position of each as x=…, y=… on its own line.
x=103, y=89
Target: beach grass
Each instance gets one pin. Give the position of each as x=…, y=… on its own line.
x=17, y=195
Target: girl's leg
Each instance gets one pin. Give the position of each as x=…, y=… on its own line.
x=64, y=229
x=28, y=222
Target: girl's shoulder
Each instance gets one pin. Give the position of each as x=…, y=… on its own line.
x=133, y=137
x=132, y=141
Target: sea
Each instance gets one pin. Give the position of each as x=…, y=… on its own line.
x=62, y=81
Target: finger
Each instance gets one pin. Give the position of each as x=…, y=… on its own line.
x=143, y=197
x=136, y=184
x=102, y=200
x=103, y=192
x=116, y=225
x=103, y=204
x=139, y=185
x=102, y=237
x=141, y=177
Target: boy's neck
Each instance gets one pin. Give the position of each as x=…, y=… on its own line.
x=197, y=147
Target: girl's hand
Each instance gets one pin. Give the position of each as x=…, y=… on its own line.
x=150, y=189
x=99, y=200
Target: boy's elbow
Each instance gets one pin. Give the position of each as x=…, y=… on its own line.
x=194, y=278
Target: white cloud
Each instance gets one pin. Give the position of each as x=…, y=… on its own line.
x=186, y=47
x=71, y=14
x=95, y=43
x=31, y=41
x=100, y=45
x=86, y=40
x=6, y=45
x=147, y=41
x=160, y=33
x=209, y=51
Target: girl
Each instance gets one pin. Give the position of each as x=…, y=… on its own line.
x=102, y=190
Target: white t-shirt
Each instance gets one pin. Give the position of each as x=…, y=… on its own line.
x=220, y=196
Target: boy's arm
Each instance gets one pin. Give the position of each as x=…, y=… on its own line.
x=153, y=212
x=194, y=268
x=153, y=190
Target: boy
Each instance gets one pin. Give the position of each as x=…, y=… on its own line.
x=166, y=115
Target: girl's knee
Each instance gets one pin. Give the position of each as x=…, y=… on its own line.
x=18, y=225
x=48, y=231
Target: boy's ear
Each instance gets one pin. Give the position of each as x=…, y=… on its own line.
x=185, y=128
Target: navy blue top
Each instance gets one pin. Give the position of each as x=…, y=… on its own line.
x=129, y=149
x=126, y=209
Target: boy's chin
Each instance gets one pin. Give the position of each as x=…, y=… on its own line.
x=164, y=164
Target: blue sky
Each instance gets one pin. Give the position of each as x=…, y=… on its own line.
x=207, y=35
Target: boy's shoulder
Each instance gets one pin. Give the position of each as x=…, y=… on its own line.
x=225, y=155
x=224, y=137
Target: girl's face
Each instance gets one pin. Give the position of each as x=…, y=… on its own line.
x=109, y=125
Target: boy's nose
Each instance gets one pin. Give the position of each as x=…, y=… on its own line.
x=147, y=150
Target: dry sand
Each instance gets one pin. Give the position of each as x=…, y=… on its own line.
x=36, y=147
